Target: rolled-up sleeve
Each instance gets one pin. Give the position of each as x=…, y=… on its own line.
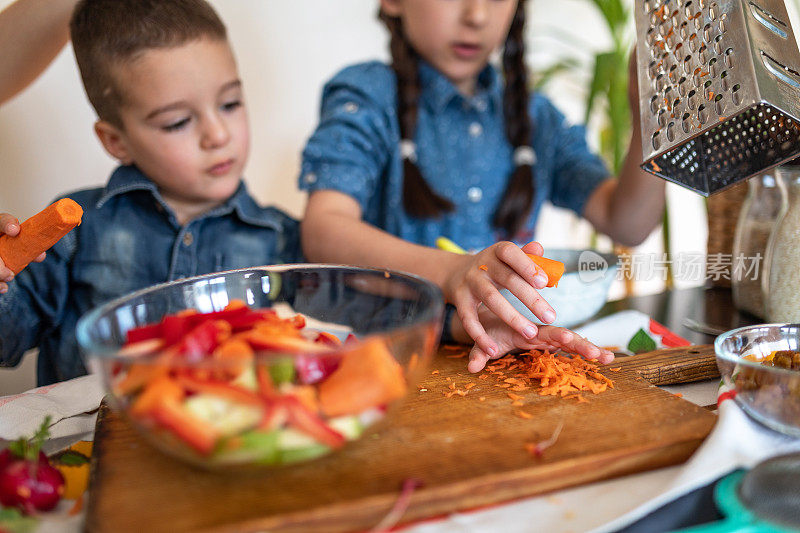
x=350, y=148
x=35, y=302
x=576, y=170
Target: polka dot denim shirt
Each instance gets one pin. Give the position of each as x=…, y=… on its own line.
x=462, y=152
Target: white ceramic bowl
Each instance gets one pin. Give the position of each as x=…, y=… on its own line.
x=582, y=290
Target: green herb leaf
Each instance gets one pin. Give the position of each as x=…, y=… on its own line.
x=641, y=342
x=28, y=449
x=69, y=458
x=13, y=521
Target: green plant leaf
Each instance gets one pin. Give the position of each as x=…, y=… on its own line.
x=641, y=342
x=13, y=521
x=542, y=78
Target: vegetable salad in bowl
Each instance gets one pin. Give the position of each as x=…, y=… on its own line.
x=267, y=366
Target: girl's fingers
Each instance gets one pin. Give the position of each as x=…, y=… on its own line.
x=9, y=224
x=477, y=359
x=468, y=314
x=534, y=248
x=511, y=255
x=485, y=291
x=574, y=343
x=40, y=257
x=530, y=298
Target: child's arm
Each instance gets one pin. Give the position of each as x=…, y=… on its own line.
x=32, y=32
x=9, y=225
x=333, y=231
x=629, y=208
x=548, y=337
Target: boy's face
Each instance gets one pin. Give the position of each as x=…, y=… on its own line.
x=455, y=36
x=183, y=123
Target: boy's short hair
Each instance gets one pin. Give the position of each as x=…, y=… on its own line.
x=106, y=33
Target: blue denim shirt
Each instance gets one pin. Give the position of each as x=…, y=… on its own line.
x=129, y=239
x=462, y=152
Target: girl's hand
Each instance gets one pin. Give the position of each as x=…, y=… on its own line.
x=549, y=338
x=477, y=280
x=9, y=225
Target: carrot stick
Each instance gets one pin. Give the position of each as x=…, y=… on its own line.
x=554, y=269
x=39, y=233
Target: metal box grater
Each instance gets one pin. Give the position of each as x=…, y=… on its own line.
x=719, y=89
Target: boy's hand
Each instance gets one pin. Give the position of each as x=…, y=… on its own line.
x=506, y=266
x=9, y=225
x=548, y=338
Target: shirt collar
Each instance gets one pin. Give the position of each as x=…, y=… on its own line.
x=127, y=178
x=438, y=91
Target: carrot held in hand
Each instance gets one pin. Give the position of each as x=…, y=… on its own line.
x=39, y=233
x=554, y=269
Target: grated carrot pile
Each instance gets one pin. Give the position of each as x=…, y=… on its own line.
x=555, y=374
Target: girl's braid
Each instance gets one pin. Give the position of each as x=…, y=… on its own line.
x=515, y=206
x=419, y=200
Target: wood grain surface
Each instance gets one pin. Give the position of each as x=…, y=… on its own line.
x=672, y=366
x=466, y=452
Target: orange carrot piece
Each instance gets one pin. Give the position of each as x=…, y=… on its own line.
x=554, y=269
x=39, y=233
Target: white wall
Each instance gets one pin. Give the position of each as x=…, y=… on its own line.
x=286, y=50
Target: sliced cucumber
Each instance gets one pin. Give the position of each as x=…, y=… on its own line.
x=247, y=379
x=349, y=426
x=253, y=446
x=295, y=446
x=227, y=417
x=282, y=370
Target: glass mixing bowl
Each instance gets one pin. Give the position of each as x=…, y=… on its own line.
x=750, y=361
x=268, y=365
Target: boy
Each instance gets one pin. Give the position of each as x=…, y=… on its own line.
x=163, y=80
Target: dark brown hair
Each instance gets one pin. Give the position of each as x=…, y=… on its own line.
x=106, y=33
x=419, y=199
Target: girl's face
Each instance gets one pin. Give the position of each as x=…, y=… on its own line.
x=455, y=36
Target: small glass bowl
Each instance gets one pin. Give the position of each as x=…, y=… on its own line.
x=769, y=394
x=305, y=386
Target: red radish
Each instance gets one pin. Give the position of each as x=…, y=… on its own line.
x=30, y=487
x=27, y=481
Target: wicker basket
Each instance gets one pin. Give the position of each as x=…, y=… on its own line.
x=723, y=212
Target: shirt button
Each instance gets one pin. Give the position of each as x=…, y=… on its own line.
x=480, y=104
x=188, y=239
x=475, y=129
x=474, y=194
x=351, y=107
x=310, y=178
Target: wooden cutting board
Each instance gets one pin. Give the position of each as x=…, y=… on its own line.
x=467, y=452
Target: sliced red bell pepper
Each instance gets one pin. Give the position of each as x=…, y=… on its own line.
x=196, y=433
x=204, y=339
x=261, y=340
x=311, y=424
x=143, y=333
x=668, y=337
x=221, y=389
x=229, y=313
x=174, y=328
x=251, y=319
x=275, y=416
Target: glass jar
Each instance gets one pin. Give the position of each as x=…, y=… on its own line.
x=753, y=227
x=783, y=252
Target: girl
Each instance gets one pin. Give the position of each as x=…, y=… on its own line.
x=439, y=144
